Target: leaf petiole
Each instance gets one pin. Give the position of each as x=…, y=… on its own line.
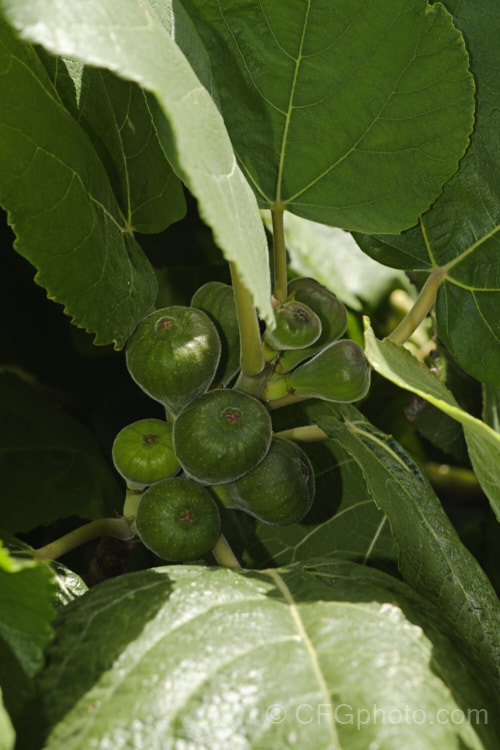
x=423, y=305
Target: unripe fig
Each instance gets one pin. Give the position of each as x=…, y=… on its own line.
x=173, y=355
x=279, y=491
x=297, y=326
x=178, y=520
x=217, y=301
x=143, y=453
x=221, y=435
x=340, y=372
x=330, y=311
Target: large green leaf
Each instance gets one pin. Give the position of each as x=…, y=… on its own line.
x=118, y=117
x=188, y=656
x=398, y=365
x=460, y=231
x=51, y=466
x=348, y=113
x=431, y=556
x=126, y=37
x=26, y=611
x=62, y=206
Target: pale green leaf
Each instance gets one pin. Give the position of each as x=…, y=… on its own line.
x=397, y=364
x=126, y=37
x=350, y=113
x=7, y=734
x=195, y=657
x=461, y=230
x=431, y=556
x=26, y=611
x=61, y=204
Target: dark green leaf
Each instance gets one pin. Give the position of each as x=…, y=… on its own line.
x=118, y=117
x=460, y=231
x=431, y=557
x=349, y=113
x=125, y=36
x=398, y=365
x=196, y=657
x=62, y=207
x=51, y=467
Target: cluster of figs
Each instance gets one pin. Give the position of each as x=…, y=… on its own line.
x=216, y=447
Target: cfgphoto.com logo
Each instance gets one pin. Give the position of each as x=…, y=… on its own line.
x=343, y=713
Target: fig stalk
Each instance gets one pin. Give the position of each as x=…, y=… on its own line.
x=251, y=360
x=224, y=555
x=310, y=433
x=119, y=528
x=423, y=305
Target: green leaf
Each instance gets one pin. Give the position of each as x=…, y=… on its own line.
x=62, y=207
x=118, y=117
x=69, y=586
x=26, y=611
x=7, y=734
x=51, y=466
x=352, y=114
x=397, y=364
x=203, y=657
x=344, y=522
x=460, y=231
x=432, y=558
x=126, y=37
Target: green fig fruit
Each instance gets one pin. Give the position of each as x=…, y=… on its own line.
x=217, y=301
x=173, y=355
x=143, y=453
x=340, y=372
x=330, y=311
x=279, y=491
x=178, y=520
x=297, y=327
x=221, y=435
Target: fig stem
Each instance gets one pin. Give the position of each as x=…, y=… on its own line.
x=420, y=309
x=224, y=555
x=310, y=433
x=277, y=403
x=132, y=498
x=280, y=265
x=119, y=528
x=251, y=360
